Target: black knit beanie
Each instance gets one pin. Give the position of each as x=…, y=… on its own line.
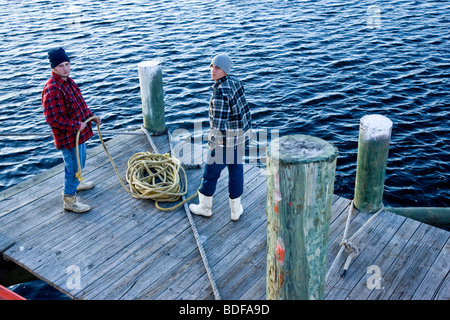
x=57, y=56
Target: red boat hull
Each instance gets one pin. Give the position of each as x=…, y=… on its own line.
x=6, y=294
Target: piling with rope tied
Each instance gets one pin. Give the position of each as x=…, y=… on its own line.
x=373, y=148
x=152, y=96
x=300, y=183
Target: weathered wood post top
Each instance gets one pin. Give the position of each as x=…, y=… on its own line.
x=152, y=96
x=300, y=183
x=373, y=148
x=294, y=149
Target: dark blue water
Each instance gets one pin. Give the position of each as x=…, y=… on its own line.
x=310, y=67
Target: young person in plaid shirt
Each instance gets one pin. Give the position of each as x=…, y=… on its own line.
x=65, y=110
x=230, y=125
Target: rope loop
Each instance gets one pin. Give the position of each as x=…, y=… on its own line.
x=158, y=177
x=349, y=246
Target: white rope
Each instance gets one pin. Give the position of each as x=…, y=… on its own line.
x=347, y=244
x=197, y=239
x=191, y=222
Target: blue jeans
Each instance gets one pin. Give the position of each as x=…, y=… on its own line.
x=218, y=159
x=71, y=167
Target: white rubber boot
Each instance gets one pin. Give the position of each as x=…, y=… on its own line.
x=71, y=204
x=85, y=185
x=236, y=208
x=203, y=208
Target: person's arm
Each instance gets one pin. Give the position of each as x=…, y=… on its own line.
x=219, y=111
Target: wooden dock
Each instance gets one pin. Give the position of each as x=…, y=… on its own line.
x=125, y=248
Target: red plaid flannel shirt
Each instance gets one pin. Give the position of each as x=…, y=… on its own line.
x=65, y=110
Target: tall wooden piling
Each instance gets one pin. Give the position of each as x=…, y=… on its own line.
x=300, y=183
x=152, y=96
x=373, y=148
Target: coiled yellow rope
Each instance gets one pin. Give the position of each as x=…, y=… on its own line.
x=158, y=177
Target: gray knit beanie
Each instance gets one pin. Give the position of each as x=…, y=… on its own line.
x=223, y=61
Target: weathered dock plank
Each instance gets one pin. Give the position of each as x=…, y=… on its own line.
x=125, y=248
x=370, y=242
x=5, y=242
x=48, y=181
x=407, y=271
x=440, y=269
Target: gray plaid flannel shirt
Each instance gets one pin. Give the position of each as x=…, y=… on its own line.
x=229, y=114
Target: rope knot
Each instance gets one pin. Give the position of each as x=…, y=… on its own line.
x=349, y=246
x=353, y=252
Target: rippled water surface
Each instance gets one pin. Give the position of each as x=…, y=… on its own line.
x=310, y=67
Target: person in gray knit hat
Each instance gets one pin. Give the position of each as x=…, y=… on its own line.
x=230, y=125
x=223, y=61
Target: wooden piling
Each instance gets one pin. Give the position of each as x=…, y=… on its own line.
x=300, y=182
x=373, y=148
x=435, y=216
x=152, y=96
